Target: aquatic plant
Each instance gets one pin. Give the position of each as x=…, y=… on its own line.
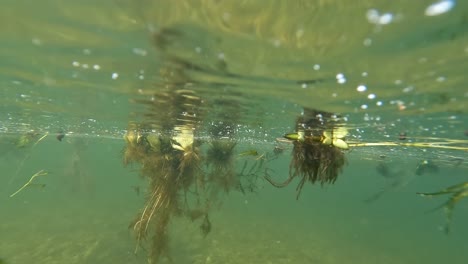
x=185, y=174
x=171, y=166
x=220, y=166
x=28, y=139
x=318, y=150
x=170, y=162
x=458, y=192
x=30, y=182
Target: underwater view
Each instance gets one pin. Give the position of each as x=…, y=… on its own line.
x=321, y=131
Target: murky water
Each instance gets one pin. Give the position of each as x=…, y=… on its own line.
x=78, y=76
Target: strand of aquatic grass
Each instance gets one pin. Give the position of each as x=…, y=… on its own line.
x=439, y=145
x=37, y=174
x=458, y=191
x=20, y=166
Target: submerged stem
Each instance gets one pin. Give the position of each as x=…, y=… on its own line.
x=280, y=184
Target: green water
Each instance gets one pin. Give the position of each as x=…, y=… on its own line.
x=88, y=69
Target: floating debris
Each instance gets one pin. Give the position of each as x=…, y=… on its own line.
x=60, y=135
x=458, y=192
x=29, y=139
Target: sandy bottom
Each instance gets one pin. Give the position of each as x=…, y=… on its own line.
x=87, y=232
x=324, y=226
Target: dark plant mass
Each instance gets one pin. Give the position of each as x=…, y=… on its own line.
x=185, y=174
x=318, y=150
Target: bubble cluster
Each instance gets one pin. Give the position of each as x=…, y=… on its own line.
x=340, y=78
x=374, y=17
x=77, y=64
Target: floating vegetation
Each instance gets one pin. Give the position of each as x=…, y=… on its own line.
x=251, y=152
x=319, y=146
x=30, y=182
x=29, y=139
x=458, y=192
x=182, y=182
x=171, y=165
x=435, y=143
x=18, y=145
x=318, y=150
x=186, y=175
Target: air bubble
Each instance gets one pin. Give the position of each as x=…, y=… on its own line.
x=361, y=88
x=439, y=8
